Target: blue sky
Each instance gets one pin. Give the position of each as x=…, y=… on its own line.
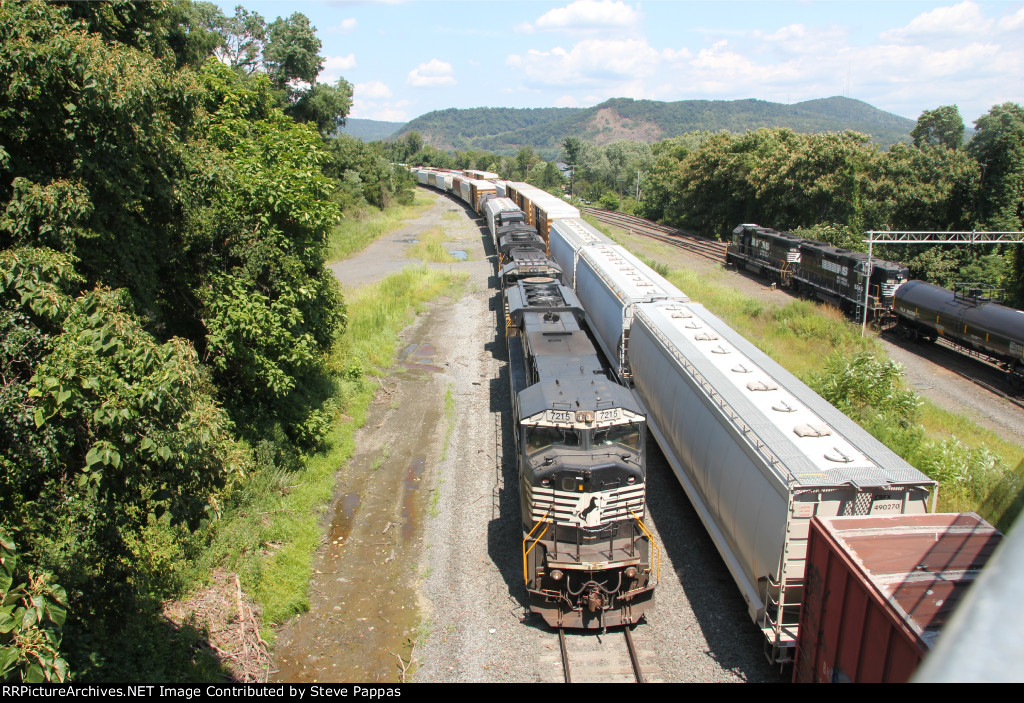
x=408, y=57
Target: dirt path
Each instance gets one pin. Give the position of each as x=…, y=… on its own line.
x=364, y=604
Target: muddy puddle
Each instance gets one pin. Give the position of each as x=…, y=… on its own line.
x=363, y=616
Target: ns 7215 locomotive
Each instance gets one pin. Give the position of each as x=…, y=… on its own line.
x=580, y=446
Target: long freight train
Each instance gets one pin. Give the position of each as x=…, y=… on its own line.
x=580, y=445
x=757, y=451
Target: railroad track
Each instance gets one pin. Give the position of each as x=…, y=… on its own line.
x=701, y=246
x=589, y=657
x=957, y=352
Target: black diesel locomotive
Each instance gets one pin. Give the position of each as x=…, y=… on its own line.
x=832, y=274
x=580, y=445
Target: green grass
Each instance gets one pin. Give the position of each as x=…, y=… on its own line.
x=360, y=228
x=432, y=247
x=273, y=530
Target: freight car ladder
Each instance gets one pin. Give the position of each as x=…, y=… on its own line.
x=784, y=596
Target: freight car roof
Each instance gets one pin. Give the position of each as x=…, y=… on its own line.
x=921, y=565
x=800, y=437
x=578, y=232
x=631, y=279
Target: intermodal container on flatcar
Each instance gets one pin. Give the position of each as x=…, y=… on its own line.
x=878, y=591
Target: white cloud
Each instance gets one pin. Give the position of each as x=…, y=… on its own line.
x=591, y=61
x=586, y=15
x=567, y=101
x=334, y=66
x=1012, y=23
x=373, y=90
x=798, y=39
x=433, y=74
x=964, y=19
x=385, y=111
x=347, y=26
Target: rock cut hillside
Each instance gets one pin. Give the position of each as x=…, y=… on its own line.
x=506, y=130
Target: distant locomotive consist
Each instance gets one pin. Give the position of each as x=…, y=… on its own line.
x=832, y=274
x=521, y=251
x=967, y=317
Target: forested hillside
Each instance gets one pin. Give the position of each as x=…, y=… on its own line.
x=164, y=308
x=370, y=130
x=506, y=130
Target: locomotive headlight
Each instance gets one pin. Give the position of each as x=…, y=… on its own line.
x=546, y=482
x=631, y=479
x=631, y=572
x=584, y=416
x=556, y=574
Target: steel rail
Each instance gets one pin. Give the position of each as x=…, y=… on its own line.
x=633, y=655
x=701, y=246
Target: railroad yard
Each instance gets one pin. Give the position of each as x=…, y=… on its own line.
x=420, y=575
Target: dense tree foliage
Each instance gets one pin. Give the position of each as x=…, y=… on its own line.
x=164, y=308
x=835, y=186
x=942, y=126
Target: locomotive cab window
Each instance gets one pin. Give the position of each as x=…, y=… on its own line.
x=540, y=438
x=625, y=435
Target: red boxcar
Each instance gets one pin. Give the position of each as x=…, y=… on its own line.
x=878, y=590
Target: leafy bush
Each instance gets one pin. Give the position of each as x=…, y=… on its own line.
x=32, y=614
x=866, y=384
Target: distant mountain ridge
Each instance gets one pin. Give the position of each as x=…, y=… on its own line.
x=505, y=130
x=370, y=130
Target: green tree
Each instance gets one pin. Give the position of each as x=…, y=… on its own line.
x=998, y=146
x=32, y=613
x=552, y=177
x=525, y=159
x=942, y=126
x=244, y=36
x=292, y=51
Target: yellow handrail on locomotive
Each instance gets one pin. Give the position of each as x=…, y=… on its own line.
x=657, y=549
x=526, y=578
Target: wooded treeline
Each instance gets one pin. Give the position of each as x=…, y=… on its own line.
x=834, y=187
x=544, y=130
x=164, y=307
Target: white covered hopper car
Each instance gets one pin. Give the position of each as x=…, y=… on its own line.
x=757, y=451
